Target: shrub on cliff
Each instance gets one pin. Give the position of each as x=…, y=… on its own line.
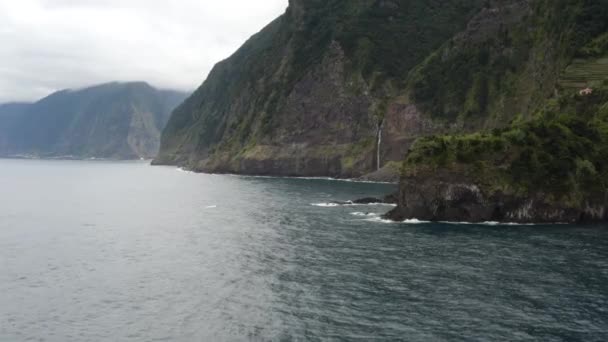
x=562, y=152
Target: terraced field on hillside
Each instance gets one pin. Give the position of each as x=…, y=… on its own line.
x=583, y=73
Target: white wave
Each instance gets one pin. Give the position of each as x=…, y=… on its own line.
x=325, y=205
x=180, y=169
x=488, y=223
x=369, y=204
x=415, y=221
x=211, y=207
x=383, y=220
x=379, y=219
x=351, y=180
x=363, y=214
x=350, y=204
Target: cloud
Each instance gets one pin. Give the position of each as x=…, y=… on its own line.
x=48, y=45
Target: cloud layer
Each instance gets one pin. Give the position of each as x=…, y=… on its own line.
x=48, y=45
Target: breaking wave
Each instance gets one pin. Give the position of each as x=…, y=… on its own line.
x=349, y=204
x=364, y=214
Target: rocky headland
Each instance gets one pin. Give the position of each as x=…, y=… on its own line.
x=497, y=107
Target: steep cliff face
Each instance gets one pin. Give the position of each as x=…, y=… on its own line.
x=307, y=95
x=342, y=88
x=547, y=165
x=455, y=196
x=552, y=168
x=115, y=120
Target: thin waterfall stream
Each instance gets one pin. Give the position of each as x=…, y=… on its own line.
x=379, y=144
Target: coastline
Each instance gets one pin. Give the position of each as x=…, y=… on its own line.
x=351, y=180
x=72, y=158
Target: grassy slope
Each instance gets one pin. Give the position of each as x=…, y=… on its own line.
x=487, y=77
x=584, y=72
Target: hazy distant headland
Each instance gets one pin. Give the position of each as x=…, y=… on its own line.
x=113, y=121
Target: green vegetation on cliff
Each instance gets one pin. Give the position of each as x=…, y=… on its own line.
x=331, y=87
x=562, y=152
x=508, y=60
x=561, y=148
x=304, y=93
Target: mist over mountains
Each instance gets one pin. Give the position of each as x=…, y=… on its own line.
x=112, y=120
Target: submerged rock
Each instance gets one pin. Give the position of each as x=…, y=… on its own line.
x=342, y=202
x=390, y=199
x=368, y=200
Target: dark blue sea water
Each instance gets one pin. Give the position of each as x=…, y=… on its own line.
x=110, y=251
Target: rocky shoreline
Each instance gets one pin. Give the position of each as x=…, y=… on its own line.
x=388, y=176
x=439, y=200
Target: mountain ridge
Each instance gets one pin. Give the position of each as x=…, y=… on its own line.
x=118, y=120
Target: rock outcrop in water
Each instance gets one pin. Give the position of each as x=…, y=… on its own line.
x=114, y=120
x=547, y=166
x=553, y=168
x=448, y=197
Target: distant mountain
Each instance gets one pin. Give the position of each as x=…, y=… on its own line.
x=113, y=120
x=9, y=114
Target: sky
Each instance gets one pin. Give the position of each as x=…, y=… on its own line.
x=49, y=45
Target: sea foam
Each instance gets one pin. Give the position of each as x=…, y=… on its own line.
x=350, y=204
x=363, y=214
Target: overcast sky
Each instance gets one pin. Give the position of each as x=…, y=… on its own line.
x=48, y=45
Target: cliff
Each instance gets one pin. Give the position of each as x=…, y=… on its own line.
x=553, y=168
x=343, y=88
x=547, y=166
x=314, y=93
x=114, y=120
x=480, y=97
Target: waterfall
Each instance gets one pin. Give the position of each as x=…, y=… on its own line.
x=378, y=144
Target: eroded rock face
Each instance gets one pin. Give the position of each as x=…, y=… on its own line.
x=368, y=200
x=489, y=21
x=314, y=132
x=321, y=110
x=307, y=95
x=300, y=11
x=456, y=200
x=403, y=124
